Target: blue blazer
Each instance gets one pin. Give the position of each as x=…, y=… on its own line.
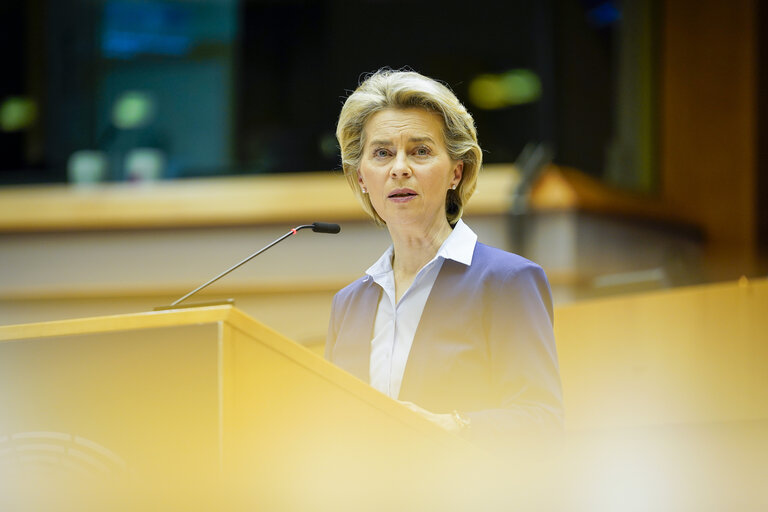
x=484, y=345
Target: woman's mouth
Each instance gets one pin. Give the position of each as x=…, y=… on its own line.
x=401, y=195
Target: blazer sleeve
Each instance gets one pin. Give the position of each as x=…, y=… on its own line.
x=519, y=327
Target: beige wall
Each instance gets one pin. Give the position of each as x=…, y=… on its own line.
x=48, y=276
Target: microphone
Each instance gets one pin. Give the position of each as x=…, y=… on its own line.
x=317, y=227
x=324, y=227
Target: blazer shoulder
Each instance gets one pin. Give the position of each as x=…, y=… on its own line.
x=501, y=262
x=352, y=290
x=515, y=277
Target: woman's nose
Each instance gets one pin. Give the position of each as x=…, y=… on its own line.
x=400, y=166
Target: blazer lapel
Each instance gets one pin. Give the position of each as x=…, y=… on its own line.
x=435, y=310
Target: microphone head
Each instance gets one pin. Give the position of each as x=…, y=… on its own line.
x=325, y=227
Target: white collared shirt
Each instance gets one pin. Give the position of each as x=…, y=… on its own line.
x=396, y=323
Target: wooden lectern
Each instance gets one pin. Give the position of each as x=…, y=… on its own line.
x=208, y=409
x=185, y=398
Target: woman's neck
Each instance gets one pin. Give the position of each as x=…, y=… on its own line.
x=413, y=250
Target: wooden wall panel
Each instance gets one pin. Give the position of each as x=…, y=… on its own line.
x=708, y=121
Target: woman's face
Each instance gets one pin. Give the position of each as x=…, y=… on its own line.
x=406, y=168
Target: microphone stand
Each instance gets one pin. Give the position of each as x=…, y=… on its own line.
x=318, y=227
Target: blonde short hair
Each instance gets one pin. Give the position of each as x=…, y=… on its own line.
x=390, y=89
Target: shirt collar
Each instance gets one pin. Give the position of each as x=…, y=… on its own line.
x=459, y=246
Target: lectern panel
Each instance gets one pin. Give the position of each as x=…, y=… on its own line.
x=112, y=401
x=200, y=406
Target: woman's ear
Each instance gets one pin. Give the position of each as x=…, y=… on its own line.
x=360, y=181
x=458, y=172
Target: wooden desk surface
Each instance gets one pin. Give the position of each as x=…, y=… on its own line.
x=232, y=201
x=280, y=198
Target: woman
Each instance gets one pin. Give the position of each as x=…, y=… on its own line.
x=459, y=331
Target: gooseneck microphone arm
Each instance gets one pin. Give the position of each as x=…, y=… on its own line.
x=317, y=227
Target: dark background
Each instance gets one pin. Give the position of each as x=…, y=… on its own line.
x=256, y=86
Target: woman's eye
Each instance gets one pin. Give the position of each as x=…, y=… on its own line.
x=381, y=153
x=422, y=151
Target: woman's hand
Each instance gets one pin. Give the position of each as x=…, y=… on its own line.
x=448, y=422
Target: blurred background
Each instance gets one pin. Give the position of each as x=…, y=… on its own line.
x=247, y=86
x=148, y=145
